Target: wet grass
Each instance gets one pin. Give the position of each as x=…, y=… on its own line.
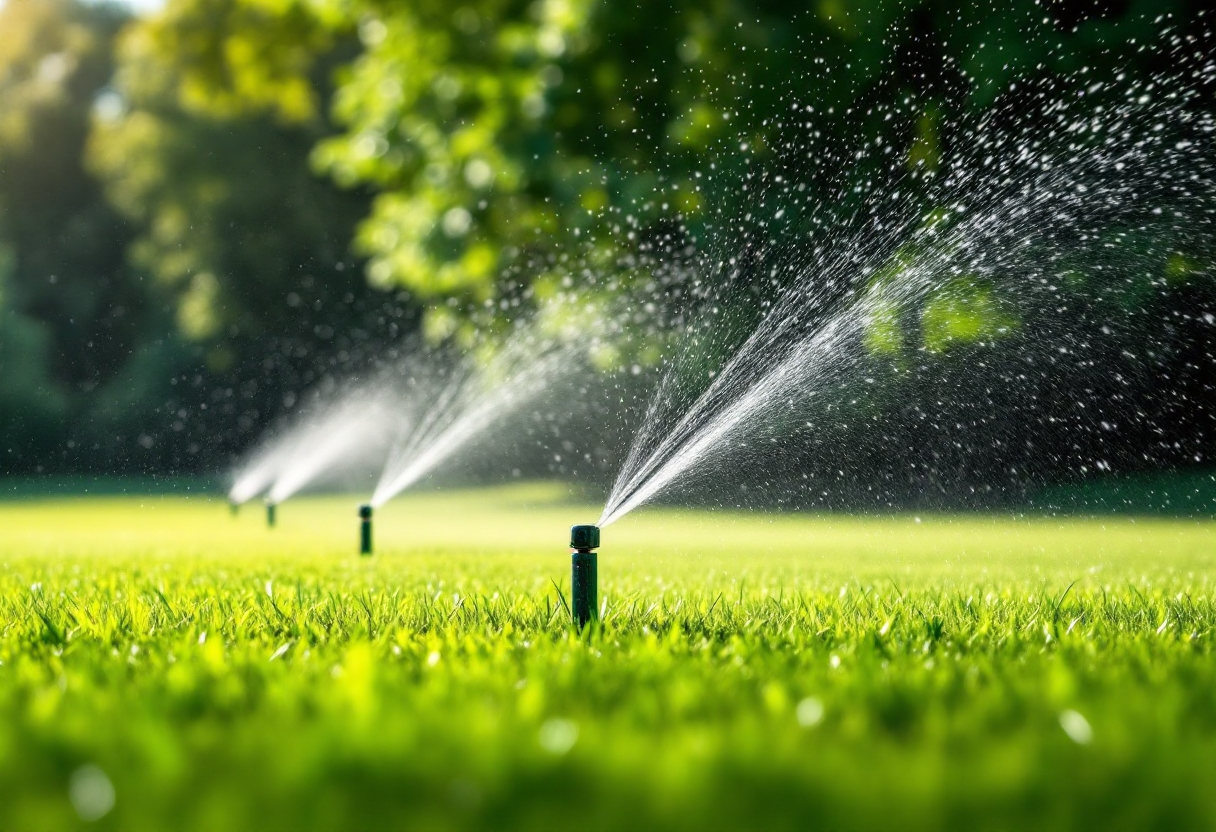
x=751, y=671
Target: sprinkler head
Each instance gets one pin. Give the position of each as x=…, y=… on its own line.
x=584, y=538
x=270, y=507
x=584, y=574
x=233, y=507
x=365, y=529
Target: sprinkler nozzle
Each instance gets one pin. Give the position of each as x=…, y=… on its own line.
x=584, y=538
x=583, y=574
x=270, y=507
x=365, y=529
x=233, y=507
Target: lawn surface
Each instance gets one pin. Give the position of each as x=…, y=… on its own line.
x=164, y=665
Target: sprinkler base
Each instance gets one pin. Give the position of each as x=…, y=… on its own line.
x=584, y=606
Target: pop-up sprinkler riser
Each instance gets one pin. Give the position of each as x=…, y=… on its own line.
x=365, y=529
x=270, y=511
x=584, y=577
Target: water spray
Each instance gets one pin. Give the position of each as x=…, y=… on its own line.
x=452, y=411
x=365, y=529
x=583, y=574
x=270, y=507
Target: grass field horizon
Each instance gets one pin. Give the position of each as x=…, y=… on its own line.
x=165, y=664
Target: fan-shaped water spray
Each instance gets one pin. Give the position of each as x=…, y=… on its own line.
x=345, y=432
x=1017, y=206
x=467, y=406
x=258, y=472
x=353, y=434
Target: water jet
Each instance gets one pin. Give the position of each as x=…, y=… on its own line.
x=583, y=574
x=465, y=406
x=365, y=529
x=986, y=239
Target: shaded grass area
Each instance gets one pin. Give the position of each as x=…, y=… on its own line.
x=784, y=672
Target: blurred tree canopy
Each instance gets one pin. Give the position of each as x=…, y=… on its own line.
x=230, y=222
x=244, y=197
x=70, y=312
x=172, y=275
x=499, y=135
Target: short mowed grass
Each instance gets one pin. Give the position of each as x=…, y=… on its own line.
x=166, y=666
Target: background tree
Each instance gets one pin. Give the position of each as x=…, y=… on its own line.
x=251, y=248
x=71, y=314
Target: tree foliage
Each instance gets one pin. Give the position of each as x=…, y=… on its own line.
x=70, y=314
x=64, y=240
x=246, y=196
x=231, y=220
x=499, y=134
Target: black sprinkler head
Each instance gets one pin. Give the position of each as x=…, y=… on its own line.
x=365, y=529
x=584, y=538
x=584, y=574
x=270, y=507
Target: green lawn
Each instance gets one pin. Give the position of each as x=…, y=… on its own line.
x=166, y=666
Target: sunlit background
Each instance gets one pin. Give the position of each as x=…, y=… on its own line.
x=217, y=214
